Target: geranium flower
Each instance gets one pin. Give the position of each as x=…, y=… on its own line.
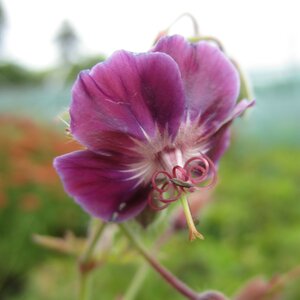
x=154, y=126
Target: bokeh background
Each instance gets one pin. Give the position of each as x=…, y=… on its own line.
x=252, y=224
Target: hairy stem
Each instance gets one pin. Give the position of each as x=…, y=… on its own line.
x=96, y=234
x=171, y=279
x=142, y=272
x=136, y=282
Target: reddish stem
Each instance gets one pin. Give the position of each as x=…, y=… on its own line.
x=169, y=277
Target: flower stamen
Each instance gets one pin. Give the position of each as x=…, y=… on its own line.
x=199, y=169
x=165, y=192
x=198, y=173
x=153, y=205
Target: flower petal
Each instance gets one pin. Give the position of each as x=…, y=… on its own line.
x=102, y=189
x=211, y=81
x=130, y=94
x=219, y=141
x=240, y=108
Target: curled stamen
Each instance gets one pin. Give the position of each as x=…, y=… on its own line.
x=169, y=188
x=166, y=190
x=180, y=173
x=158, y=179
x=197, y=169
x=173, y=194
x=153, y=205
x=200, y=169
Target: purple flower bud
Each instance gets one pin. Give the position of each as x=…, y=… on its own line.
x=212, y=295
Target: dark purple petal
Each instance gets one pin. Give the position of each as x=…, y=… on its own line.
x=101, y=185
x=211, y=81
x=240, y=108
x=129, y=94
x=219, y=141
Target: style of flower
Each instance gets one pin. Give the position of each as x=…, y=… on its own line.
x=154, y=126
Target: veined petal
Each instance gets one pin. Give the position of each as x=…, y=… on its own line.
x=130, y=94
x=101, y=185
x=211, y=81
x=219, y=141
x=240, y=108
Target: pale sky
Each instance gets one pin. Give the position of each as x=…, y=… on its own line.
x=258, y=33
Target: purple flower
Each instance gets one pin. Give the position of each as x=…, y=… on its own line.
x=154, y=125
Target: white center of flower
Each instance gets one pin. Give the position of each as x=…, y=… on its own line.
x=160, y=153
x=169, y=158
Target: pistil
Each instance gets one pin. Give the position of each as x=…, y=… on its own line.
x=194, y=233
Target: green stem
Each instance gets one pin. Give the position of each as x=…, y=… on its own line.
x=171, y=279
x=208, y=38
x=83, y=286
x=96, y=234
x=142, y=272
x=136, y=282
x=192, y=18
x=85, y=261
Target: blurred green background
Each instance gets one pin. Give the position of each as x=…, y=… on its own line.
x=252, y=226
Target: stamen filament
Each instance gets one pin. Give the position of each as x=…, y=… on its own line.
x=194, y=233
